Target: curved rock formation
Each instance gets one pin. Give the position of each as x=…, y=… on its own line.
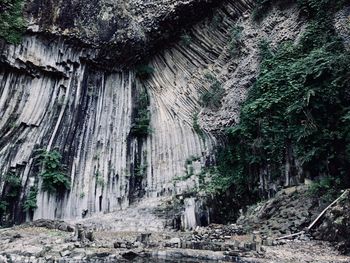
x=54, y=97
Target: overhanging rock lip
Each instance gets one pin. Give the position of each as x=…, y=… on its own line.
x=127, y=42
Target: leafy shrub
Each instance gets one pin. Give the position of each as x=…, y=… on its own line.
x=53, y=175
x=12, y=24
x=311, y=8
x=140, y=170
x=186, y=39
x=3, y=207
x=30, y=204
x=192, y=159
x=212, y=98
x=141, y=123
x=261, y=8
x=13, y=185
x=144, y=71
x=235, y=42
x=326, y=188
x=298, y=109
x=197, y=128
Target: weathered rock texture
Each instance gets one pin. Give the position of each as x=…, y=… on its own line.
x=54, y=97
x=335, y=225
x=67, y=87
x=120, y=31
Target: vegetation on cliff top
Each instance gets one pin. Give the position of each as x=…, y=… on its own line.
x=12, y=24
x=297, y=113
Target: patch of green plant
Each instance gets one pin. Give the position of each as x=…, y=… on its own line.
x=97, y=156
x=197, y=128
x=186, y=39
x=212, y=98
x=141, y=122
x=192, y=159
x=13, y=125
x=30, y=204
x=297, y=111
x=54, y=179
x=3, y=207
x=215, y=21
x=100, y=181
x=144, y=71
x=236, y=40
x=9, y=198
x=182, y=178
x=99, y=178
x=12, y=24
x=82, y=195
x=140, y=170
x=13, y=185
x=189, y=171
x=326, y=188
x=311, y=8
x=265, y=49
x=261, y=8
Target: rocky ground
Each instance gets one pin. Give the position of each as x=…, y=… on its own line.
x=30, y=243
x=253, y=239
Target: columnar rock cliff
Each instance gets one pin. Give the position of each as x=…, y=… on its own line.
x=117, y=89
x=67, y=88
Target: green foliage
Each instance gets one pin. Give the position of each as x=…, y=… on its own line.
x=215, y=21
x=326, y=188
x=140, y=170
x=261, y=8
x=197, y=128
x=235, y=42
x=99, y=178
x=30, y=202
x=141, y=124
x=10, y=197
x=52, y=174
x=265, y=49
x=299, y=106
x=144, y=71
x=192, y=159
x=3, y=206
x=212, y=98
x=100, y=181
x=13, y=183
x=186, y=39
x=12, y=24
x=311, y=8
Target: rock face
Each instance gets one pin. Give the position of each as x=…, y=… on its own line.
x=55, y=96
x=335, y=225
x=121, y=31
x=61, y=91
x=291, y=211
